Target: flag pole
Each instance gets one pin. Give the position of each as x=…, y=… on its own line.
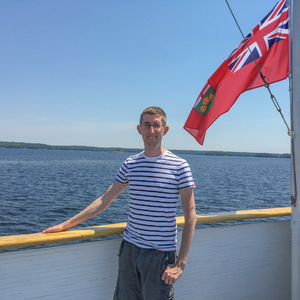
x=295, y=147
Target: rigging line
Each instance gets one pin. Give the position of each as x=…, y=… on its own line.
x=294, y=193
x=266, y=84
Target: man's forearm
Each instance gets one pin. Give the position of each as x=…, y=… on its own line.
x=89, y=212
x=174, y=271
x=92, y=210
x=186, y=240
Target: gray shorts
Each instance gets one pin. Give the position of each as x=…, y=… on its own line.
x=140, y=271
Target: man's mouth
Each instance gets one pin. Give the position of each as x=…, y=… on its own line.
x=151, y=137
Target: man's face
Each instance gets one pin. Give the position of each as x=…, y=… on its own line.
x=152, y=130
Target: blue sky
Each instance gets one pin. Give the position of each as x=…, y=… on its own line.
x=77, y=72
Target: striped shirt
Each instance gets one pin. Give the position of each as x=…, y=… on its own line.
x=154, y=184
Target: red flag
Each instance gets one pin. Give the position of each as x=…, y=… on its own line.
x=269, y=44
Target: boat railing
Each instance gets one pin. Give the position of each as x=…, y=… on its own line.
x=37, y=239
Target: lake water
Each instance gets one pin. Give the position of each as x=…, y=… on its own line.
x=40, y=188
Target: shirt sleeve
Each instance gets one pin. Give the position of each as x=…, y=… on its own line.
x=121, y=176
x=185, y=178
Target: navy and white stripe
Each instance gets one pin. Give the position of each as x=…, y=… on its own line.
x=154, y=184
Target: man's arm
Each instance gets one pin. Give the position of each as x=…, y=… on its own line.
x=92, y=210
x=174, y=271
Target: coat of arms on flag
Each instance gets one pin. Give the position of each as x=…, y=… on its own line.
x=205, y=100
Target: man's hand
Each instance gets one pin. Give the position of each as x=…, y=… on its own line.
x=56, y=228
x=172, y=273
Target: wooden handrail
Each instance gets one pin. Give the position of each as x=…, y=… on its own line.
x=15, y=241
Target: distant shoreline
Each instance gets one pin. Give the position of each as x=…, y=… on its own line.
x=22, y=145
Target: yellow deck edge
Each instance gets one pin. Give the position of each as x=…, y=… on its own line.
x=15, y=241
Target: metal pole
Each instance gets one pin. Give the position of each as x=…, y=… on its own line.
x=295, y=149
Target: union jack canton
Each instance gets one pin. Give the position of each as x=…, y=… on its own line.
x=273, y=28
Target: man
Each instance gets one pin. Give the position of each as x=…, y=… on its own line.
x=148, y=266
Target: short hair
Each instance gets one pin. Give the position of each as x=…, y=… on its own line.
x=154, y=110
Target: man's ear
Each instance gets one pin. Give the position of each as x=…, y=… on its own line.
x=166, y=129
x=138, y=127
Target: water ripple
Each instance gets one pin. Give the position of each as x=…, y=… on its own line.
x=40, y=188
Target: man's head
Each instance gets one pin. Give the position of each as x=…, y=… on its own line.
x=152, y=128
x=154, y=110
